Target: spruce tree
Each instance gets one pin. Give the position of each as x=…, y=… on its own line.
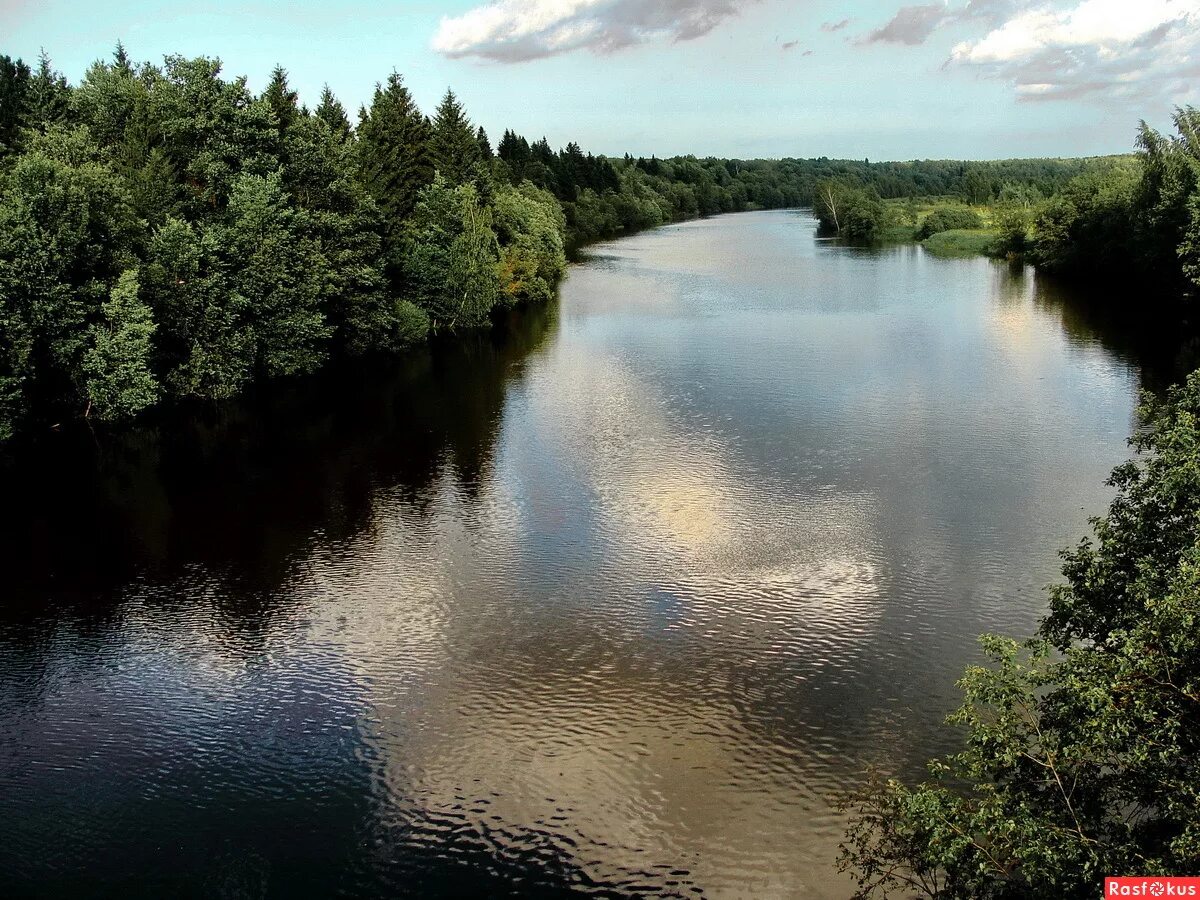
x=485, y=146
x=281, y=98
x=332, y=113
x=455, y=145
x=14, y=90
x=394, y=153
x=48, y=96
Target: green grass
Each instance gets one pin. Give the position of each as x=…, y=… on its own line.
x=896, y=234
x=948, y=243
x=961, y=242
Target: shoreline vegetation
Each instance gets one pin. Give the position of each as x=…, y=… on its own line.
x=168, y=236
x=1129, y=218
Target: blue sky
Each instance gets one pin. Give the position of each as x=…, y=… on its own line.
x=878, y=79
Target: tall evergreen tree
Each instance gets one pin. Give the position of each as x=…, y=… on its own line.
x=455, y=145
x=332, y=113
x=485, y=146
x=281, y=98
x=14, y=90
x=394, y=153
x=49, y=96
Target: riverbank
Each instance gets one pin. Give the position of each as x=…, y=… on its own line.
x=905, y=219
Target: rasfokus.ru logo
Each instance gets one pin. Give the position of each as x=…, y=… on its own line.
x=1151, y=886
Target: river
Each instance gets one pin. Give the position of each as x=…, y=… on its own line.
x=616, y=599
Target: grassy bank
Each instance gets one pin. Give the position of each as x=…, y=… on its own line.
x=908, y=221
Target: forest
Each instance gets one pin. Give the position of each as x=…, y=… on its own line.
x=166, y=234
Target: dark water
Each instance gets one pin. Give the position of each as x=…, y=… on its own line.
x=613, y=600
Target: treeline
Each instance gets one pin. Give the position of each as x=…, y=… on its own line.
x=604, y=197
x=166, y=233
x=1134, y=217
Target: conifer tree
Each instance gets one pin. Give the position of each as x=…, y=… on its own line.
x=394, y=154
x=14, y=90
x=485, y=146
x=281, y=98
x=455, y=145
x=48, y=96
x=332, y=113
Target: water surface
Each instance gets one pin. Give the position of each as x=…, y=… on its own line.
x=613, y=600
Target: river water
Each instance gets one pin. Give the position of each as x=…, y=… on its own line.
x=616, y=599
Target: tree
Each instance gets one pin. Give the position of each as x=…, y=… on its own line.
x=485, y=146
x=830, y=209
x=211, y=130
x=206, y=343
x=118, y=383
x=276, y=266
x=283, y=101
x=451, y=257
x=14, y=90
x=394, y=154
x=948, y=218
x=848, y=211
x=455, y=145
x=48, y=97
x=1082, y=753
x=1164, y=198
x=332, y=113
x=66, y=231
x=530, y=228
x=1089, y=227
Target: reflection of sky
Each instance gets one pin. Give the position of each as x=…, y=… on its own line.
x=745, y=514
x=734, y=551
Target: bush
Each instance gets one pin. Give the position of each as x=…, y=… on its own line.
x=960, y=242
x=949, y=218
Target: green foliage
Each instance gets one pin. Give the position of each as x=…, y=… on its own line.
x=849, y=211
x=454, y=145
x=210, y=131
x=1083, y=762
x=118, y=382
x=279, y=271
x=1170, y=176
x=963, y=242
x=949, y=218
x=332, y=113
x=282, y=100
x=1089, y=226
x=14, y=90
x=66, y=230
x=1013, y=220
x=48, y=97
x=530, y=228
x=266, y=237
x=451, y=257
x=207, y=345
x=394, y=153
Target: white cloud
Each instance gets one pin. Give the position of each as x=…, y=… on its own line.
x=517, y=30
x=1111, y=49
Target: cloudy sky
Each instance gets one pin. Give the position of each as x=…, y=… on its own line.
x=879, y=79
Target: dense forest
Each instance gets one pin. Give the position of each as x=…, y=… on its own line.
x=166, y=233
